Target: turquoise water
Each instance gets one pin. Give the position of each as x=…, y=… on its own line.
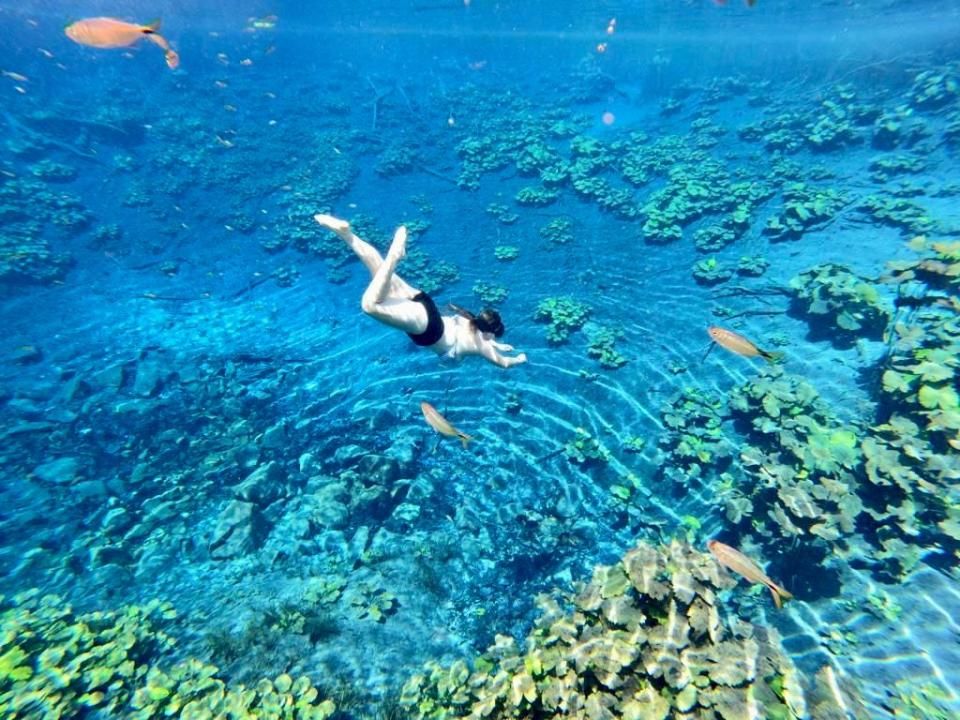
x=195, y=411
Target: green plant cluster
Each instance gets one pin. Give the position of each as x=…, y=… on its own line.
x=318, y=184
x=670, y=106
x=372, y=602
x=585, y=450
x=536, y=196
x=951, y=131
x=898, y=127
x=706, y=134
x=26, y=256
x=558, y=231
x=644, y=640
x=752, y=265
x=416, y=227
x=804, y=208
x=917, y=447
x=395, y=159
x=710, y=271
x=642, y=163
x=601, y=348
x=563, y=314
x=51, y=171
x=490, y=295
x=833, y=129
x=695, y=188
x=783, y=132
x=800, y=470
x=885, y=167
x=711, y=238
x=848, y=305
x=506, y=253
x=694, y=439
x=936, y=89
x=897, y=212
x=56, y=663
x=427, y=273
x=191, y=690
x=913, y=699
x=537, y=158
x=618, y=200
x=502, y=213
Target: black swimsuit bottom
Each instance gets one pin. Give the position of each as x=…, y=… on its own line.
x=434, y=330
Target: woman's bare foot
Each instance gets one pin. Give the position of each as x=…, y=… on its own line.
x=340, y=227
x=398, y=248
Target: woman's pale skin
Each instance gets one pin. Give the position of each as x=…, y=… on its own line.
x=389, y=299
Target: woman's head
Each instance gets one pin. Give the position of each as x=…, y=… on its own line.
x=488, y=321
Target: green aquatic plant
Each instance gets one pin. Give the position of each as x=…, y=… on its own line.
x=55, y=662
x=912, y=699
x=563, y=314
x=801, y=463
x=833, y=128
x=427, y=273
x=536, y=196
x=490, y=294
x=884, y=168
x=585, y=450
x=848, y=305
x=395, y=159
x=694, y=439
x=502, y=213
x=644, y=639
x=713, y=237
x=898, y=212
x=558, y=231
x=506, y=253
x=711, y=272
x=936, y=88
x=601, y=348
x=752, y=265
x=58, y=663
x=373, y=603
x=50, y=171
x=805, y=208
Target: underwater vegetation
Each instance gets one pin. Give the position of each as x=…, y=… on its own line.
x=57, y=663
x=643, y=639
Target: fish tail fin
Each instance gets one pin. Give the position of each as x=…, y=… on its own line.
x=779, y=595
x=152, y=26
x=465, y=439
x=771, y=357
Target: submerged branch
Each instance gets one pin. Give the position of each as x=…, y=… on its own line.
x=741, y=291
x=750, y=313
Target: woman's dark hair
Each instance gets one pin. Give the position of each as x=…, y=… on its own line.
x=488, y=321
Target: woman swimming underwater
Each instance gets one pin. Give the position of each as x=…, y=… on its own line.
x=394, y=302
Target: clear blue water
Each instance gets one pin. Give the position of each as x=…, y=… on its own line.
x=195, y=409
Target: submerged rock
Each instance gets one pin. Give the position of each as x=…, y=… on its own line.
x=27, y=355
x=62, y=471
x=264, y=485
x=241, y=529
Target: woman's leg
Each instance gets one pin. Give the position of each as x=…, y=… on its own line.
x=366, y=252
x=380, y=302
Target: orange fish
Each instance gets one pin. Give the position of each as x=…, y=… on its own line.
x=104, y=32
x=738, y=344
x=734, y=560
x=439, y=423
